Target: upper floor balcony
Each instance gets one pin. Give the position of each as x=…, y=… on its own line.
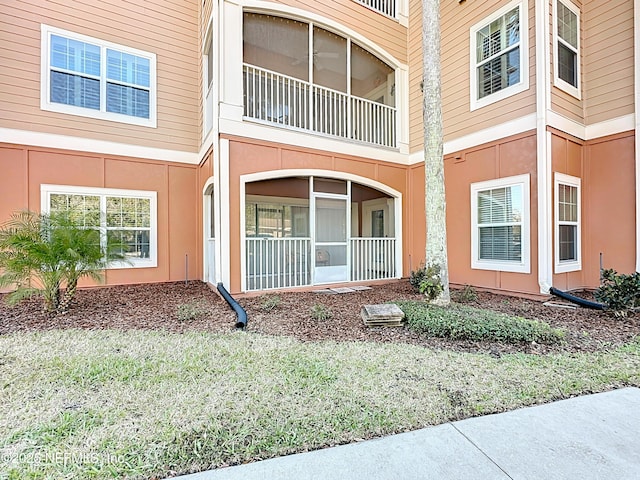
x=385, y=7
x=300, y=76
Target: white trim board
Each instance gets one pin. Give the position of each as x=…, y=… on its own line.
x=256, y=131
x=621, y=124
x=103, y=147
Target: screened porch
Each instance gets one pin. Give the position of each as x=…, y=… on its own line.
x=298, y=75
x=340, y=232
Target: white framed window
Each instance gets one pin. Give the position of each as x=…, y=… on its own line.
x=567, y=223
x=500, y=224
x=500, y=55
x=207, y=80
x=125, y=217
x=85, y=76
x=566, y=47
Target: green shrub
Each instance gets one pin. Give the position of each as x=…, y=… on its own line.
x=320, y=312
x=620, y=293
x=466, y=294
x=269, y=302
x=190, y=311
x=427, y=281
x=462, y=322
x=47, y=255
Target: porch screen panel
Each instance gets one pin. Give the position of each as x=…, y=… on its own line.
x=371, y=78
x=331, y=221
x=277, y=44
x=331, y=232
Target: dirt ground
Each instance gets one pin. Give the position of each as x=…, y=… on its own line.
x=157, y=306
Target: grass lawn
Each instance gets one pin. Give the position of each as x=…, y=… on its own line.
x=141, y=404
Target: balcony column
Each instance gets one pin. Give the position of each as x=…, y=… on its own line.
x=231, y=85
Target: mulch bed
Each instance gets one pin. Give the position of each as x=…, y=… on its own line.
x=155, y=306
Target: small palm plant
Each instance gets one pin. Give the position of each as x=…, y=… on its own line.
x=40, y=254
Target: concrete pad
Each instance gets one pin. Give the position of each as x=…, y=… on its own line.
x=438, y=452
x=360, y=288
x=591, y=437
x=325, y=291
x=384, y=314
x=343, y=290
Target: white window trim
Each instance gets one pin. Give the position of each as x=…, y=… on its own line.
x=524, y=265
x=45, y=88
x=523, y=84
x=567, y=265
x=45, y=203
x=557, y=81
x=208, y=50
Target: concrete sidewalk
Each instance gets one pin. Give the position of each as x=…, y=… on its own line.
x=591, y=437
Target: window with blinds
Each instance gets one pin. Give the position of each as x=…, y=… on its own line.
x=88, y=77
x=500, y=224
x=499, y=55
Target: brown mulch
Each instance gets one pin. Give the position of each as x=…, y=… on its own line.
x=155, y=306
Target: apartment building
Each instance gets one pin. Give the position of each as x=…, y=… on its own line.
x=278, y=144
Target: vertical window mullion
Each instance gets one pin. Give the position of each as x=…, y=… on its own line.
x=103, y=222
x=103, y=79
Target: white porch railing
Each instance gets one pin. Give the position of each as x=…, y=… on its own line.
x=277, y=263
x=386, y=7
x=373, y=122
x=275, y=98
x=373, y=258
x=286, y=262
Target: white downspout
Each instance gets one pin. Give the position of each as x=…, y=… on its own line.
x=543, y=139
x=636, y=80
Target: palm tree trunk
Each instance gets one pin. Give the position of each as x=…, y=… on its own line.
x=435, y=205
x=69, y=293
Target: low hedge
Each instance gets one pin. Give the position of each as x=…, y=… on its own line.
x=462, y=322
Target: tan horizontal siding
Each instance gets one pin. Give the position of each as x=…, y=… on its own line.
x=381, y=30
x=168, y=28
x=459, y=120
x=608, y=60
x=414, y=43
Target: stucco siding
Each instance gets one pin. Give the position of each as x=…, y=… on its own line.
x=509, y=157
x=25, y=169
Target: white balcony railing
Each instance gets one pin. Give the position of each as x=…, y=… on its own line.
x=373, y=259
x=386, y=7
x=277, y=263
x=289, y=102
x=287, y=262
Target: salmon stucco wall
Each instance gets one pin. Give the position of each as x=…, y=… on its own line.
x=252, y=156
x=24, y=169
x=606, y=168
x=508, y=157
x=567, y=157
x=609, y=206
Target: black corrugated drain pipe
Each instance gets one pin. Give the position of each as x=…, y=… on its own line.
x=577, y=300
x=241, y=314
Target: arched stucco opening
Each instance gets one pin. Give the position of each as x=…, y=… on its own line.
x=302, y=228
x=210, y=254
